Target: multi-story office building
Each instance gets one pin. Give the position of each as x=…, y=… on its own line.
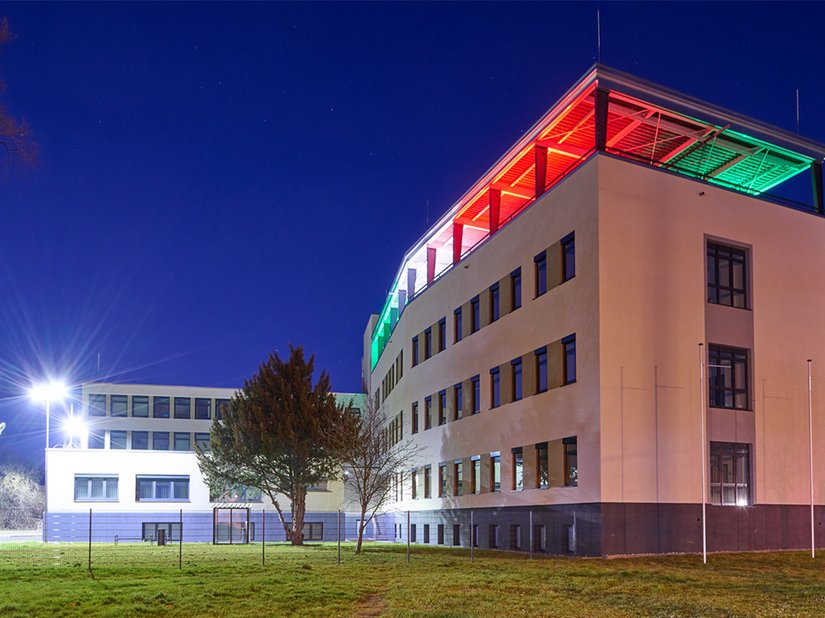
x=136, y=469
x=609, y=330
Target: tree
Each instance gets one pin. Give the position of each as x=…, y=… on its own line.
x=374, y=460
x=21, y=498
x=16, y=143
x=278, y=434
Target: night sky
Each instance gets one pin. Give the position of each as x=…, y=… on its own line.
x=217, y=181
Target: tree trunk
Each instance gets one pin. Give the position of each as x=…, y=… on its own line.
x=299, y=505
x=361, y=526
x=287, y=530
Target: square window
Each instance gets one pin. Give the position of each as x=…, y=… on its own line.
x=202, y=441
x=161, y=407
x=203, y=408
x=117, y=440
x=183, y=441
x=160, y=440
x=728, y=377
x=183, y=407
x=97, y=405
x=119, y=405
x=140, y=440
x=729, y=474
x=96, y=439
x=727, y=269
x=140, y=406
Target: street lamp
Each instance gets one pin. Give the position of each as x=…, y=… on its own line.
x=47, y=392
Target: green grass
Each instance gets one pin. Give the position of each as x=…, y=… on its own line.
x=143, y=580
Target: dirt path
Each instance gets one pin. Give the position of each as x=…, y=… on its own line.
x=371, y=606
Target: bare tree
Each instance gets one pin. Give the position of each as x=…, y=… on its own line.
x=21, y=498
x=17, y=147
x=375, y=458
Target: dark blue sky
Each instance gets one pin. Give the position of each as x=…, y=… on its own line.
x=218, y=180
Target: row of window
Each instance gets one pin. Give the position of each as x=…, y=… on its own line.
x=515, y=540
x=392, y=377
x=430, y=346
x=552, y=464
x=541, y=382
x=182, y=407
x=148, y=440
x=104, y=488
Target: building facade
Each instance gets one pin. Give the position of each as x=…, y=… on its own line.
x=136, y=470
x=610, y=330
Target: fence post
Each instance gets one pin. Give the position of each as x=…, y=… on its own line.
x=90, y=541
x=339, y=536
x=408, y=537
x=263, y=536
x=472, y=538
x=180, y=542
x=531, y=535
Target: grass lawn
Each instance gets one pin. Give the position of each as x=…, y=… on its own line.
x=140, y=580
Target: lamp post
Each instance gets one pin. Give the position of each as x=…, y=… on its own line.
x=47, y=392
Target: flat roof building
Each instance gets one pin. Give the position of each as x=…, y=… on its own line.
x=609, y=330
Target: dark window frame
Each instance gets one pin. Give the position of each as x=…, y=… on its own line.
x=515, y=289
x=568, y=257
x=568, y=354
x=721, y=282
x=540, y=273
x=724, y=390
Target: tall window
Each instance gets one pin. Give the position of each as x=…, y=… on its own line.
x=428, y=471
x=541, y=370
x=97, y=405
x=475, y=321
x=183, y=407
x=495, y=303
x=458, y=478
x=442, y=407
x=515, y=367
x=428, y=343
x=160, y=440
x=95, y=488
x=458, y=401
x=475, y=472
x=476, y=380
x=569, y=347
x=442, y=480
x=428, y=412
x=518, y=469
x=728, y=377
x=442, y=334
x=495, y=472
x=119, y=405
x=203, y=408
x=457, y=323
x=414, y=351
x=162, y=489
x=492, y=536
x=729, y=474
x=515, y=288
x=220, y=406
x=542, y=466
x=415, y=417
x=140, y=406
x=426, y=533
x=161, y=407
x=727, y=276
x=571, y=462
x=495, y=388
x=568, y=256
x=540, y=262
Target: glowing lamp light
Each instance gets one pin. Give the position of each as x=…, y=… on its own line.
x=75, y=427
x=742, y=502
x=46, y=392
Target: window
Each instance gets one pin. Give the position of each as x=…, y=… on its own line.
x=428, y=412
x=476, y=393
x=568, y=257
x=475, y=535
x=729, y=474
x=515, y=536
x=413, y=532
x=542, y=466
x=140, y=406
x=183, y=441
x=94, y=488
x=442, y=480
x=117, y=440
x=426, y=533
x=161, y=409
x=440, y=532
x=220, y=406
x=475, y=474
x=492, y=536
x=571, y=465
x=96, y=439
x=140, y=440
x=540, y=262
x=458, y=401
x=442, y=334
x=160, y=440
x=539, y=537
x=515, y=289
x=313, y=531
x=235, y=493
x=414, y=485
x=414, y=351
x=515, y=367
x=458, y=478
x=170, y=529
x=727, y=276
x=442, y=407
x=457, y=323
x=541, y=370
x=97, y=405
x=428, y=471
x=456, y=534
x=415, y=417
x=119, y=405
x=203, y=408
x=728, y=377
x=428, y=343
x=495, y=388
x=495, y=303
x=495, y=471
x=569, y=347
x=162, y=489
x=183, y=407
x=202, y=441
x=518, y=469
x=475, y=315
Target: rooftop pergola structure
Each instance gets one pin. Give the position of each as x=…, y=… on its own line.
x=611, y=112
